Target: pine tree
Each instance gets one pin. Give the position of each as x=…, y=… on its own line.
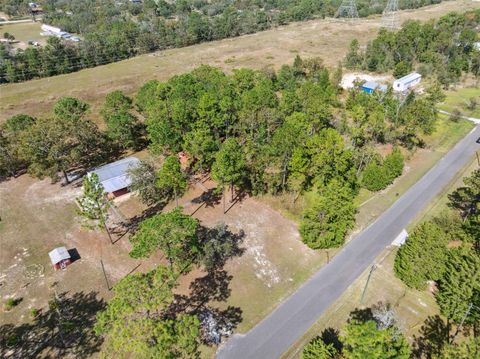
x=171, y=179
x=94, y=204
x=422, y=257
x=460, y=286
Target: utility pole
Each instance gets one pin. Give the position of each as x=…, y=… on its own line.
x=467, y=312
x=366, y=284
x=105, y=275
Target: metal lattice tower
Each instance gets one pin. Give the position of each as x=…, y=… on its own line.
x=390, y=19
x=348, y=9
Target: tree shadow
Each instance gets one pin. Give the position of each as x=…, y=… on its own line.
x=60, y=331
x=209, y=198
x=204, y=300
x=434, y=334
x=362, y=315
x=135, y=221
x=218, y=244
x=239, y=197
x=208, y=294
x=332, y=336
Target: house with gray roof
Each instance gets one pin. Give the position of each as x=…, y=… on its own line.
x=114, y=176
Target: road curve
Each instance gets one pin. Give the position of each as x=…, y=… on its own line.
x=295, y=315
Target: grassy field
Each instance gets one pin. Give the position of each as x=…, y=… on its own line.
x=24, y=31
x=412, y=307
x=457, y=100
x=328, y=39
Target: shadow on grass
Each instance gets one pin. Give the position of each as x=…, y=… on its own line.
x=64, y=330
x=434, y=335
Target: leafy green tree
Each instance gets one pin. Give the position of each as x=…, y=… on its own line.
x=94, y=204
x=201, y=146
x=422, y=257
x=135, y=322
x=327, y=222
x=401, y=69
x=11, y=158
x=122, y=126
x=144, y=182
x=330, y=160
x=374, y=177
x=460, y=286
x=393, y=164
x=317, y=349
x=217, y=245
x=353, y=59
x=466, y=200
x=174, y=233
x=171, y=179
x=66, y=141
x=229, y=166
x=364, y=340
x=468, y=349
x=70, y=108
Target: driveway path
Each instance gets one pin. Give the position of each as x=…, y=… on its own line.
x=293, y=317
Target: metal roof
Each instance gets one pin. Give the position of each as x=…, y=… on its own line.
x=408, y=78
x=370, y=85
x=59, y=254
x=113, y=176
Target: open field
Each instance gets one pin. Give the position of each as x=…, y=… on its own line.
x=458, y=100
x=37, y=216
x=24, y=32
x=412, y=307
x=328, y=39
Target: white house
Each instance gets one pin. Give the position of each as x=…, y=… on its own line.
x=406, y=82
x=51, y=29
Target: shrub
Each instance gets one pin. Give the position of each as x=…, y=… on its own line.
x=393, y=164
x=10, y=303
x=34, y=312
x=374, y=177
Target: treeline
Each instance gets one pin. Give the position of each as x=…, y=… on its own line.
x=443, y=49
x=260, y=131
x=445, y=251
x=113, y=30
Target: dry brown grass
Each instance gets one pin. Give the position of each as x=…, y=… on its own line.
x=328, y=39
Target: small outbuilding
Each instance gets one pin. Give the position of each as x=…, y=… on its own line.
x=60, y=258
x=406, y=82
x=114, y=176
x=370, y=86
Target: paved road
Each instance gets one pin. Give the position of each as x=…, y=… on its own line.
x=276, y=333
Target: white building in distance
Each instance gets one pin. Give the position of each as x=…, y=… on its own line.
x=406, y=82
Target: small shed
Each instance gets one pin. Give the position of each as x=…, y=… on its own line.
x=60, y=258
x=406, y=82
x=370, y=86
x=114, y=176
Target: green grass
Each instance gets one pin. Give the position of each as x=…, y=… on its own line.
x=24, y=31
x=458, y=99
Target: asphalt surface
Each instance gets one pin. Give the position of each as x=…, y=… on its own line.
x=294, y=316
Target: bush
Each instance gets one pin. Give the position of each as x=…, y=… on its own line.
x=10, y=303
x=34, y=312
x=374, y=177
x=394, y=164
x=377, y=176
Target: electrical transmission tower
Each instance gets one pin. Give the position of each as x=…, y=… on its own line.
x=348, y=9
x=390, y=19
